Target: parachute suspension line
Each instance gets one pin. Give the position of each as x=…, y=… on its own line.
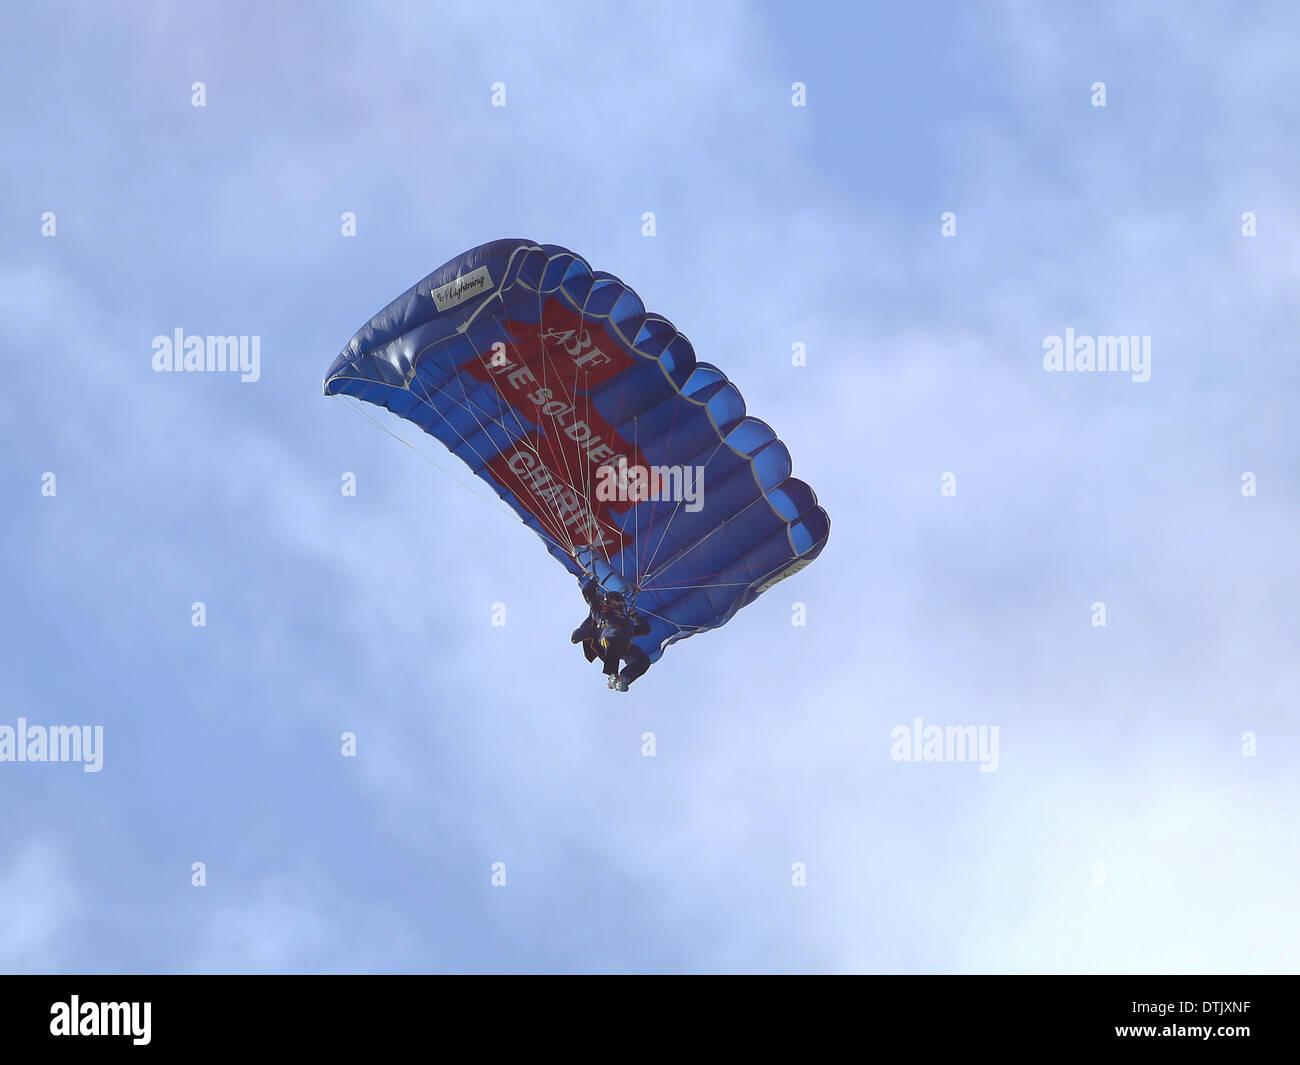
x=651, y=575
x=753, y=572
x=753, y=569
x=590, y=490
x=614, y=424
x=764, y=570
x=700, y=584
x=568, y=480
x=654, y=508
x=467, y=404
x=587, y=478
x=586, y=418
x=581, y=484
x=575, y=481
x=636, y=517
x=355, y=405
x=504, y=408
x=561, y=536
x=547, y=496
x=549, y=369
x=423, y=396
x=689, y=629
x=591, y=470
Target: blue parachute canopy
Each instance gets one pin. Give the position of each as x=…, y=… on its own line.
x=592, y=420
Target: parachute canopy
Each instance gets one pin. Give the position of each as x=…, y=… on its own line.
x=593, y=421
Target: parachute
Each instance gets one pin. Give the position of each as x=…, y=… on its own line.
x=594, y=423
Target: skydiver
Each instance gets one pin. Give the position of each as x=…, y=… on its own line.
x=607, y=634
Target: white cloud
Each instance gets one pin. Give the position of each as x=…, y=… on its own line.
x=42, y=909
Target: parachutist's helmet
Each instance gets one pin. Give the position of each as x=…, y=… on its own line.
x=615, y=599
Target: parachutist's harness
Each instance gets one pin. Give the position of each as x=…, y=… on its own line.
x=610, y=630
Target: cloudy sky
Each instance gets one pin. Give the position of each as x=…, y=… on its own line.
x=987, y=514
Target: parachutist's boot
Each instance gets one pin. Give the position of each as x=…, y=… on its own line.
x=619, y=684
x=610, y=681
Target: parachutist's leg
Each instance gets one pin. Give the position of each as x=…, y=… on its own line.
x=637, y=663
x=612, y=654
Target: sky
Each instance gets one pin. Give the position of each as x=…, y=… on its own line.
x=1097, y=571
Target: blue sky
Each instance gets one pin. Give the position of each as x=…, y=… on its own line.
x=1123, y=831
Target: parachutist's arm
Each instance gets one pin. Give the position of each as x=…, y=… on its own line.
x=641, y=628
x=591, y=592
